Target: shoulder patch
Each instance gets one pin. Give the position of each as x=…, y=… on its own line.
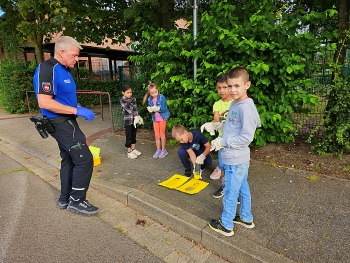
x=46, y=86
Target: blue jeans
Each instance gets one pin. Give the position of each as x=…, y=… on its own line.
x=220, y=164
x=236, y=185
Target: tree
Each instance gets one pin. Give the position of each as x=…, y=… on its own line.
x=10, y=39
x=36, y=21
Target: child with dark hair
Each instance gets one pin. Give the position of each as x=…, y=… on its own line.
x=220, y=109
x=131, y=118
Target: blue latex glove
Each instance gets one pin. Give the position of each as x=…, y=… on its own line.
x=86, y=113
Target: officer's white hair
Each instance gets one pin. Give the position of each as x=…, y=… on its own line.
x=66, y=43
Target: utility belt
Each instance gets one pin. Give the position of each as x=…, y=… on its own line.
x=45, y=125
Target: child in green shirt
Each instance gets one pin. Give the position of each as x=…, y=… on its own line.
x=220, y=109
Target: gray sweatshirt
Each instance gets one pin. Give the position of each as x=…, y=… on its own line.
x=238, y=132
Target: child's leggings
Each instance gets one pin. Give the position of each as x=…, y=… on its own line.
x=159, y=128
x=130, y=134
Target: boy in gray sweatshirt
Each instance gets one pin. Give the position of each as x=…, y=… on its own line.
x=238, y=132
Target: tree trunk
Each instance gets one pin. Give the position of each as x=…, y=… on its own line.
x=339, y=56
x=167, y=13
x=343, y=28
x=38, y=44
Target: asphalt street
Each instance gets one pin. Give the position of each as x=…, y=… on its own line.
x=33, y=230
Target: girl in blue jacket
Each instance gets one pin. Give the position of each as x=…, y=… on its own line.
x=160, y=114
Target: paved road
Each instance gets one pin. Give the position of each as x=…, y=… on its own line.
x=33, y=230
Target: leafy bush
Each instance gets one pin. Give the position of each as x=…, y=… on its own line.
x=268, y=42
x=84, y=73
x=335, y=128
x=15, y=78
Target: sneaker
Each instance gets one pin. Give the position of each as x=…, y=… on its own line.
x=216, y=174
x=238, y=220
x=218, y=227
x=62, y=204
x=136, y=152
x=132, y=155
x=219, y=193
x=83, y=208
x=188, y=172
x=163, y=153
x=156, y=155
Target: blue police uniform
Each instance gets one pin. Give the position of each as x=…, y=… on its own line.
x=52, y=78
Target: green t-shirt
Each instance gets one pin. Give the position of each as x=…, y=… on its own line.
x=221, y=107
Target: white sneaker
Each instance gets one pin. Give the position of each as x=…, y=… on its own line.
x=131, y=155
x=136, y=152
x=216, y=174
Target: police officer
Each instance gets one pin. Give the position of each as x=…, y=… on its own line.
x=55, y=91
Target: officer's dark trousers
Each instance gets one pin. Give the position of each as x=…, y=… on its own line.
x=77, y=161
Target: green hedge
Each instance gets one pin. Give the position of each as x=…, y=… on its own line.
x=15, y=78
x=111, y=86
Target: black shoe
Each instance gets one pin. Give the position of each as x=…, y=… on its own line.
x=188, y=172
x=83, y=208
x=62, y=204
x=219, y=193
x=218, y=227
x=238, y=220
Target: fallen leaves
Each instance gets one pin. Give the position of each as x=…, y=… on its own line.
x=140, y=222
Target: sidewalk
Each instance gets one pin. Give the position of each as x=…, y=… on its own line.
x=297, y=220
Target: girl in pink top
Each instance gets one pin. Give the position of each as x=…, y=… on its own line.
x=160, y=114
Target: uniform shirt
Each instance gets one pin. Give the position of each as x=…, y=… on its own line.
x=197, y=144
x=52, y=78
x=129, y=109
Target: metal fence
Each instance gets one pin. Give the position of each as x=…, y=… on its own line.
x=305, y=123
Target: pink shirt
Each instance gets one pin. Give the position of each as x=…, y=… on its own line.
x=157, y=115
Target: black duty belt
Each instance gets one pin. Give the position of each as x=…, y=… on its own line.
x=63, y=118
